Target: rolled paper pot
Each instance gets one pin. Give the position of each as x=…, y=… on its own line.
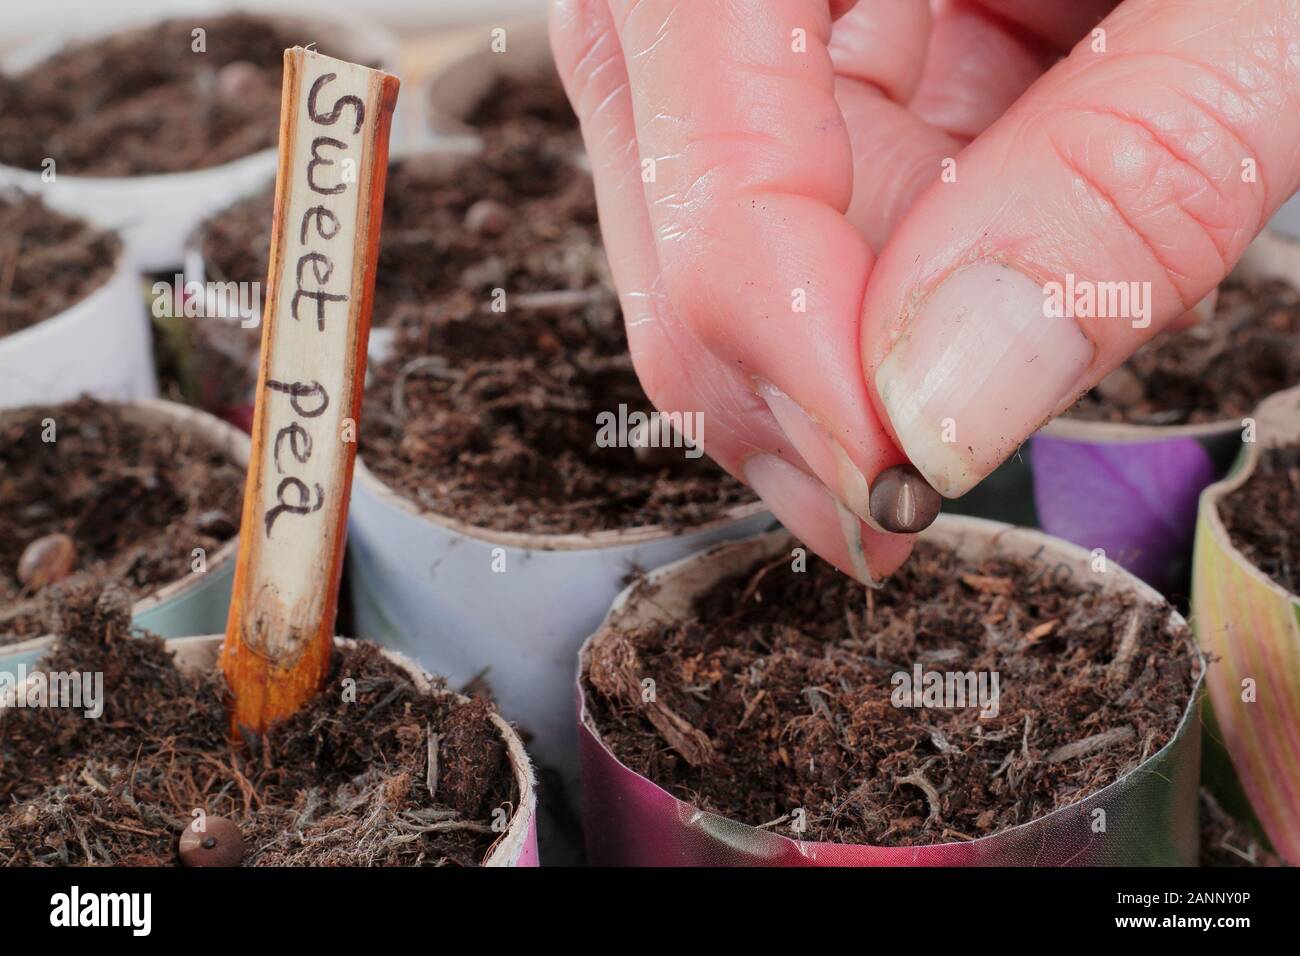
x=1250, y=627
x=517, y=845
x=98, y=346
x=425, y=584
x=1132, y=490
x=199, y=602
x=156, y=212
x=1150, y=812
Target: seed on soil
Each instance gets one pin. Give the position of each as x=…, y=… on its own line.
x=219, y=843
x=668, y=451
x=487, y=217
x=46, y=560
x=239, y=80
x=902, y=501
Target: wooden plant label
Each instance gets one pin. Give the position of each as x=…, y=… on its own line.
x=334, y=125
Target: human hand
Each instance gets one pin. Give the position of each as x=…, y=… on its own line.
x=752, y=161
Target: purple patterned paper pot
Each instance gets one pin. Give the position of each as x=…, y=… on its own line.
x=514, y=821
x=155, y=211
x=1123, y=470
x=1246, y=611
x=727, y=679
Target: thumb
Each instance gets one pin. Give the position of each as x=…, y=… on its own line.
x=1103, y=205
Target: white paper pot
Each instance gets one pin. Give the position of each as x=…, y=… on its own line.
x=517, y=846
x=197, y=603
x=423, y=583
x=156, y=213
x=99, y=346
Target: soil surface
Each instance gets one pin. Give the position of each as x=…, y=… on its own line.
x=777, y=695
x=538, y=105
x=48, y=261
x=1262, y=517
x=339, y=783
x=145, y=101
x=135, y=500
x=490, y=416
x=1213, y=372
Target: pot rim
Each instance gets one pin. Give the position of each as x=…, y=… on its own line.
x=947, y=527
x=1215, y=493
x=236, y=445
x=189, y=652
x=356, y=31
x=124, y=269
x=540, y=541
x=1267, y=245
x=468, y=54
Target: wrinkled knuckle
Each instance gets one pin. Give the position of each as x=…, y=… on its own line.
x=1184, y=207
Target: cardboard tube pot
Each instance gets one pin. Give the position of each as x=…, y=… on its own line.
x=1132, y=490
x=517, y=845
x=1250, y=625
x=424, y=583
x=631, y=821
x=99, y=346
x=155, y=213
x=197, y=603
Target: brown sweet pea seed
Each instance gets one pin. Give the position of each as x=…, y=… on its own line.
x=902, y=501
x=239, y=80
x=487, y=217
x=47, y=560
x=219, y=844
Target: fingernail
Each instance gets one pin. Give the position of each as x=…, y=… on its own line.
x=978, y=368
x=811, y=514
x=824, y=455
x=902, y=501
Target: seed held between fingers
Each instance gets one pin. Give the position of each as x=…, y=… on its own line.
x=902, y=501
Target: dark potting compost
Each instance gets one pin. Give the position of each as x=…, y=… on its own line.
x=1262, y=517
x=134, y=500
x=1212, y=372
x=147, y=101
x=779, y=693
x=537, y=106
x=342, y=782
x=491, y=416
x=48, y=261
